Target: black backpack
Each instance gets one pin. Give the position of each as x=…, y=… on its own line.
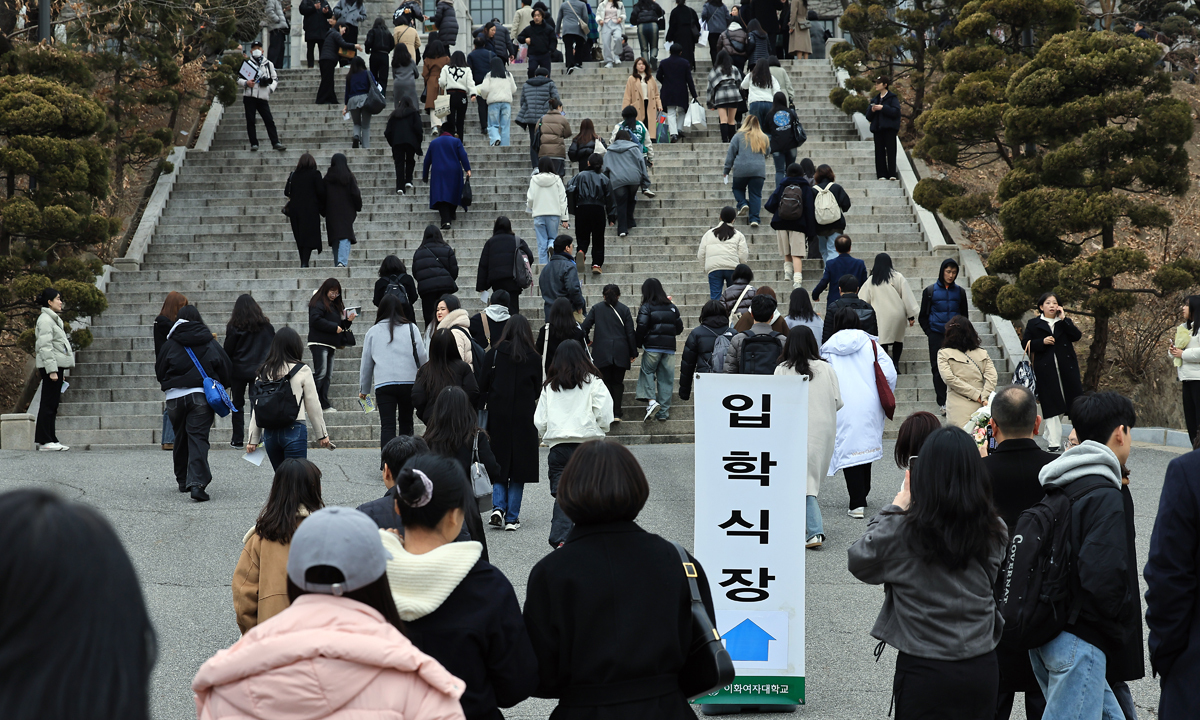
x=274, y=405
x=1037, y=589
x=395, y=288
x=791, y=203
x=760, y=353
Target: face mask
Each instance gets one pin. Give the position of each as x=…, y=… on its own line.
x=256, y=54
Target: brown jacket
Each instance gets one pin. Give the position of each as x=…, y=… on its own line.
x=556, y=135
x=431, y=72
x=260, y=580
x=633, y=96
x=746, y=320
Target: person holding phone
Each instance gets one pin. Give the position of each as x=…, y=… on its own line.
x=329, y=323
x=1049, y=339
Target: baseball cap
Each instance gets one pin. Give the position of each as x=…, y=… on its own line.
x=342, y=538
x=256, y=43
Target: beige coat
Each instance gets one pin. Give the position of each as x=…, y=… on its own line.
x=521, y=19
x=970, y=377
x=52, y=347
x=717, y=254
x=260, y=580
x=824, y=400
x=633, y=96
x=894, y=304
x=799, y=39
x=408, y=35
x=305, y=390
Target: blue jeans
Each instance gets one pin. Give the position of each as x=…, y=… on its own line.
x=648, y=37
x=168, y=431
x=762, y=111
x=718, y=280
x=506, y=497
x=283, y=443
x=657, y=379
x=826, y=245
x=343, y=252
x=546, y=229
x=782, y=160
x=1070, y=672
x=499, y=116
x=754, y=185
x=813, y=525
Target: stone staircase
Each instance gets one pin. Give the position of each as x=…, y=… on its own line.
x=222, y=234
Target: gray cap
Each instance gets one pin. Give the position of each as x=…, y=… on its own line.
x=340, y=537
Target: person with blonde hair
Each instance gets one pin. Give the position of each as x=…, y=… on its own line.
x=746, y=160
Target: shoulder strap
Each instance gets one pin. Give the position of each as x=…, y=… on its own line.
x=545, y=342
x=738, y=304
x=475, y=447
x=292, y=373
x=412, y=334
x=619, y=318
x=199, y=367
x=689, y=571
x=487, y=329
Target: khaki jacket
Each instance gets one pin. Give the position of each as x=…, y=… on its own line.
x=633, y=96
x=260, y=580
x=556, y=135
x=408, y=35
x=970, y=377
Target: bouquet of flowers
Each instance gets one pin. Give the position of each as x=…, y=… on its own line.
x=977, y=426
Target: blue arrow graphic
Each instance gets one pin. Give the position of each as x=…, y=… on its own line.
x=747, y=641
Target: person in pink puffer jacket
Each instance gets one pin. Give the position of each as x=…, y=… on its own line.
x=337, y=651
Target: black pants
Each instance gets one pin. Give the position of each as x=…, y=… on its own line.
x=935, y=344
x=429, y=304
x=894, y=350
x=1191, y=406
x=326, y=94
x=626, y=201
x=44, y=431
x=237, y=393
x=379, y=68
x=312, y=45
x=405, y=161
x=473, y=520
x=945, y=689
x=858, y=484
x=590, y=221
x=510, y=286
x=275, y=54
x=322, y=370
x=447, y=211
x=533, y=151
x=689, y=52
x=537, y=61
x=192, y=419
x=1035, y=705
x=614, y=380
x=574, y=49
x=713, y=40
x=305, y=255
x=560, y=524
x=263, y=108
x=483, y=111
x=458, y=112
x=885, y=154
x=395, y=404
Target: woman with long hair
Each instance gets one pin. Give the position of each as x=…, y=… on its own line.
x=497, y=271
x=559, y=327
x=512, y=383
x=452, y=431
x=700, y=343
x=724, y=90
x=1050, y=341
x=379, y=44
x=786, y=133
x=658, y=324
x=761, y=87
x=392, y=355
x=435, y=268
x=53, y=354
x=896, y=307
x=641, y=93
x=1185, y=354
x=403, y=134
x=343, y=202
x=456, y=79
x=498, y=90
x=801, y=312
x=394, y=275
x=358, y=87
x=585, y=144
x=341, y=637
x=260, y=578
x=44, y=670
x=574, y=407
x=328, y=322
x=435, y=59
x=290, y=439
x=746, y=161
x=937, y=549
x=966, y=369
x=823, y=182
x=305, y=190
x=162, y=326
x=802, y=356
x=722, y=249
x=444, y=369
x=405, y=74
x=473, y=624
x=911, y=436
x=248, y=336
x=614, y=342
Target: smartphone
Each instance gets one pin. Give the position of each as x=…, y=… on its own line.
x=353, y=310
x=332, y=446
x=912, y=470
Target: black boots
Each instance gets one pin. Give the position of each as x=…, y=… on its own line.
x=727, y=132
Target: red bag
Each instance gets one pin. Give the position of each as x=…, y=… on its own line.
x=886, y=397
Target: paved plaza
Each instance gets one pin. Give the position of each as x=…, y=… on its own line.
x=185, y=555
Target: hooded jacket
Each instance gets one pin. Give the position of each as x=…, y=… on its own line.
x=535, y=99
x=860, y=421
x=488, y=325
x=940, y=302
x=1098, y=531
x=446, y=22
x=574, y=416
x=405, y=131
x=462, y=336
x=546, y=196
x=495, y=90
x=325, y=657
x=175, y=369
x=730, y=295
x=807, y=224
x=699, y=344
x=625, y=166
x=716, y=15
x=463, y=612
x=870, y=323
x=52, y=347
x=591, y=187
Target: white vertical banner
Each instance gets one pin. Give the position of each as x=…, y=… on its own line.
x=751, y=483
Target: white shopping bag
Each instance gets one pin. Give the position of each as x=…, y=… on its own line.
x=694, y=116
x=703, y=34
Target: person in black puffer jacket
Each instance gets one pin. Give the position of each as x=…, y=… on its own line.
x=497, y=263
x=658, y=324
x=328, y=326
x=187, y=407
x=248, y=337
x=700, y=343
x=794, y=234
x=541, y=41
x=446, y=22
x=316, y=24
x=435, y=268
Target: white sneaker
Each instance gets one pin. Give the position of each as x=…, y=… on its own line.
x=408, y=187
x=754, y=224
x=857, y=513
x=650, y=408
x=743, y=211
x=52, y=447
x=608, y=65
x=815, y=541
x=787, y=269
x=328, y=410
x=513, y=526
x=497, y=518
x=942, y=410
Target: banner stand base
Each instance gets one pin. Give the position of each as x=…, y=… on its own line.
x=723, y=709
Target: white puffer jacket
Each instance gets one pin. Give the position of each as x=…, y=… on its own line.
x=1190, y=369
x=494, y=90
x=860, y=421
x=546, y=196
x=574, y=416
x=717, y=254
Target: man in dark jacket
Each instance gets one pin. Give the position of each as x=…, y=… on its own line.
x=487, y=324
x=939, y=302
x=848, y=286
x=317, y=15
x=841, y=265
x=883, y=112
x=1173, y=590
x=614, y=343
x=326, y=93
x=560, y=276
x=1014, y=466
x=541, y=41
x=480, y=62
x=590, y=200
x=675, y=85
x=497, y=265
x=1099, y=626
x=187, y=408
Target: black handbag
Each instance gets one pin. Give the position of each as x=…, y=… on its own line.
x=467, y=194
x=708, y=666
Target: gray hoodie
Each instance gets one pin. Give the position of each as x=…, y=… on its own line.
x=741, y=161
x=625, y=166
x=1087, y=458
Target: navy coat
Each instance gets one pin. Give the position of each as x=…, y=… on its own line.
x=841, y=265
x=1173, y=585
x=675, y=80
x=448, y=158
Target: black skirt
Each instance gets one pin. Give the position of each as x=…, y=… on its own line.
x=945, y=689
